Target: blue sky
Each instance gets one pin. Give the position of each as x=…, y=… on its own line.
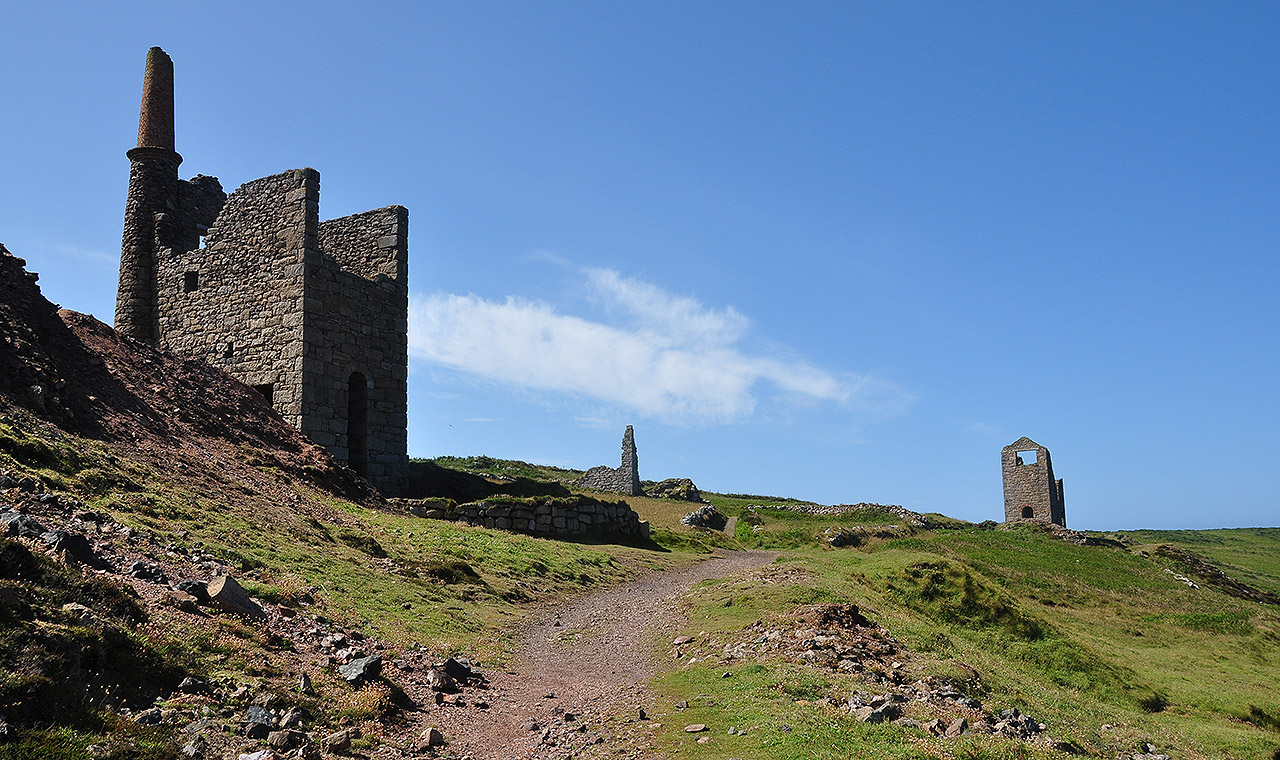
x=838, y=251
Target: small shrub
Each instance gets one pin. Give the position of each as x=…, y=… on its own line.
x=1154, y=702
x=1263, y=719
x=953, y=594
x=361, y=542
x=449, y=571
x=369, y=703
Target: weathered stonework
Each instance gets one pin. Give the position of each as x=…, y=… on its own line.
x=625, y=479
x=312, y=314
x=1030, y=491
x=545, y=516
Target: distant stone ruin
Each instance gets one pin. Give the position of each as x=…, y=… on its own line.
x=625, y=479
x=1030, y=490
x=313, y=315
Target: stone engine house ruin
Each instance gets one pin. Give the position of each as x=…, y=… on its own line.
x=1030, y=490
x=314, y=315
x=624, y=479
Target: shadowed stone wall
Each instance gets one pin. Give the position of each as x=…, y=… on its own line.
x=1030, y=490
x=625, y=479
x=543, y=516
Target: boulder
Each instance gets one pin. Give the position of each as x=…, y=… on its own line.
x=440, y=680
x=182, y=600
x=19, y=524
x=457, y=670
x=433, y=738
x=75, y=545
x=198, y=589
x=679, y=489
x=340, y=741
x=882, y=713
x=361, y=669
x=194, y=749
x=228, y=595
x=81, y=613
x=705, y=517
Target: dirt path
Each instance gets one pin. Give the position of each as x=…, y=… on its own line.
x=581, y=673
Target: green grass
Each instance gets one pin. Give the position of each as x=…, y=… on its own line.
x=1078, y=637
x=483, y=465
x=1247, y=554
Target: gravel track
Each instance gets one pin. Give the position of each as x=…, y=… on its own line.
x=589, y=659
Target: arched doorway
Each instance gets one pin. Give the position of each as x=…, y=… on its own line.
x=358, y=423
x=1028, y=513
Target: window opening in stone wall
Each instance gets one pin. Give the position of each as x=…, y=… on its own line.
x=1027, y=457
x=358, y=423
x=229, y=351
x=1028, y=513
x=190, y=282
x=266, y=391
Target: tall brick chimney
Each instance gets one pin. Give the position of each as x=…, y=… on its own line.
x=152, y=202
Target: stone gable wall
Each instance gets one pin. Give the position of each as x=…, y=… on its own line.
x=1031, y=485
x=281, y=299
x=357, y=321
x=245, y=314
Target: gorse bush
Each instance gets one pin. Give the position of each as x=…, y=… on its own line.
x=955, y=594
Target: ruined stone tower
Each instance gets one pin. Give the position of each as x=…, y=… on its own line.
x=623, y=479
x=313, y=315
x=1030, y=491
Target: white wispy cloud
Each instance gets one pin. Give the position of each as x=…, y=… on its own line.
x=669, y=356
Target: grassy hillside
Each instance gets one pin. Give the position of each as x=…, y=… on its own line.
x=1100, y=643
x=1249, y=554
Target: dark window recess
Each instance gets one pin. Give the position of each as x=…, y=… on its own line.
x=190, y=282
x=229, y=351
x=1028, y=512
x=267, y=392
x=358, y=423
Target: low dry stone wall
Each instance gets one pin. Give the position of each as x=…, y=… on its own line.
x=541, y=516
x=914, y=519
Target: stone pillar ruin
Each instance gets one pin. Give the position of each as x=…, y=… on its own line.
x=624, y=479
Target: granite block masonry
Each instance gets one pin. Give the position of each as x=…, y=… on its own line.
x=313, y=315
x=625, y=479
x=1030, y=490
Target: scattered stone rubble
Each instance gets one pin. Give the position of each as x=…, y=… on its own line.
x=222, y=718
x=1212, y=576
x=840, y=639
